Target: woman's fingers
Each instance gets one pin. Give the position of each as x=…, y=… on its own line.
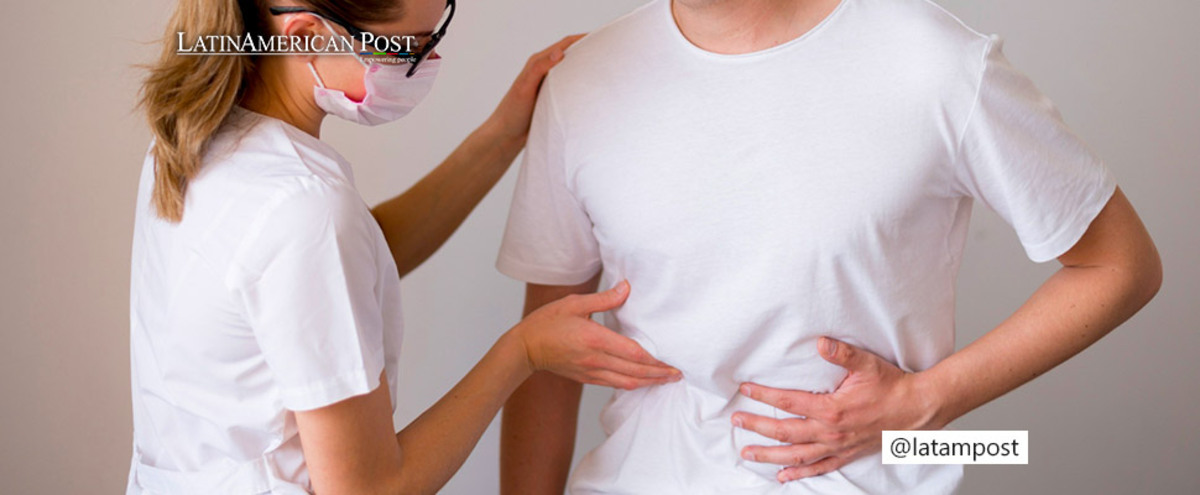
x=594, y=353
x=555, y=52
x=608, y=378
x=568, y=41
x=541, y=62
x=623, y=347
x=585, y=305
x=637, y=370
x=512, y=116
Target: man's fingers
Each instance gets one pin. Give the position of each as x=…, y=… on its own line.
x=787, y=455
x=798, y=402
x=815, y=469
x=789, y=430
x=599, y=302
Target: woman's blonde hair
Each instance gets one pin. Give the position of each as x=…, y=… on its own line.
x=187, y=97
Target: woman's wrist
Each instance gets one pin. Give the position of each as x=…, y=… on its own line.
x=513, y=347
x=494, y=133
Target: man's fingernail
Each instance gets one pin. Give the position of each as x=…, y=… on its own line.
x=745, y=390
x=737, y=421
x=829, y=344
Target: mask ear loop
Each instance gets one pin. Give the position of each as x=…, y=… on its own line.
x=332, y=32
x=315, y=76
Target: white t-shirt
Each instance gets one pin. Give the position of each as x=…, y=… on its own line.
x=758, y=201
x=276, y=293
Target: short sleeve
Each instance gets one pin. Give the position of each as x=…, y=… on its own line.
x=306, y=276
x=548, y=238
x=1020, y=159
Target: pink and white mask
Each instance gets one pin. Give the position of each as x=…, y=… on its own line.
x=390, y=93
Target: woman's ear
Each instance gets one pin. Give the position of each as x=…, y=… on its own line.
x=304, y=26
x=301, y=24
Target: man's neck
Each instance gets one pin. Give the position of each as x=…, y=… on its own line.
x=743, y=26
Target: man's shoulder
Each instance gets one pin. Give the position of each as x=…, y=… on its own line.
x=924, y=48
x=922, y=24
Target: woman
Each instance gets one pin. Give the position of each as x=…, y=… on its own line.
x=264, y=305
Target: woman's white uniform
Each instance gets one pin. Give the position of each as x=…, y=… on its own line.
x=276, y=293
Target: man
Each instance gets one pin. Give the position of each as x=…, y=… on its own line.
x=767, y=173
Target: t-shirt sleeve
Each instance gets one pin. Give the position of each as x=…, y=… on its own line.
x=306, y=276
x=1020, y=159
x=548, y=238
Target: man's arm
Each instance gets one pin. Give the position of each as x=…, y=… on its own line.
x=537, y=432
x=1106, y=277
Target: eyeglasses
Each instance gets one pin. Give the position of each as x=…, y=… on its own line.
x=357, y=33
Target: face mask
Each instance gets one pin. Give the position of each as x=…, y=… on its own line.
x=390, y=93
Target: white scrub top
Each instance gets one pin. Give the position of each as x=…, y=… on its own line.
x=276, y=293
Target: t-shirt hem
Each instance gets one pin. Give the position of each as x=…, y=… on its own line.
x=540, y=274
x=1067, y=237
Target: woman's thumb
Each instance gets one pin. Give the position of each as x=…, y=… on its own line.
x=604, y=301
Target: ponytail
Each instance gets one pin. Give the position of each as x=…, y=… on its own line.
x=187, y=97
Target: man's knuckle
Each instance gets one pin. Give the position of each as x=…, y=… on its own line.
x=835, y=415
x=782, y=433
x=795, y=459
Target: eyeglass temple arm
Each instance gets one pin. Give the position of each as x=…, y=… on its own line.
x=354, y=31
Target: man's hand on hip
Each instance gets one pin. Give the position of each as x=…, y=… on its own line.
x=841, y=426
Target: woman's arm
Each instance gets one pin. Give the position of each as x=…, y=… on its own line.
x=417, y=222
x=537, y=430
x=349, y=446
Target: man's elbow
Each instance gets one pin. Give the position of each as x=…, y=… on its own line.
x=1152, y=279
x=1145, y=277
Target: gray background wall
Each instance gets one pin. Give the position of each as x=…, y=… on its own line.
x=1119, y=418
